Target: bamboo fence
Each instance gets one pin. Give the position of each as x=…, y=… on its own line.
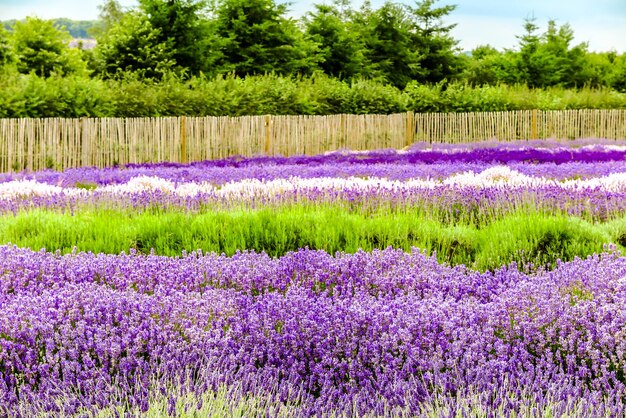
x=34, y=144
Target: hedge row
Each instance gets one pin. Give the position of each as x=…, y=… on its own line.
x=32, y=96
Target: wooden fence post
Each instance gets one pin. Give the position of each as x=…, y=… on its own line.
x=344, y=131
x=183, y=140
x=533, y=127
x=410, y=129
x=268, y=132
x=85, y=141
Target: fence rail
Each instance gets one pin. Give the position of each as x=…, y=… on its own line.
x=34, y=144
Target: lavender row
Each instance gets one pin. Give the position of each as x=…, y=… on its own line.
x=448, y=201
x=350, y=333
x=560, y=164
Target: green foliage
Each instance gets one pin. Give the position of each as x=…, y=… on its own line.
x=538, y=241
x=43, y=49
x=487, y=66
x=131, y=46
x=179, y=27
x=80, y=29
x=369, y=97
x=253, y=95
x=135, y=97
x=169, y=58
x=618, y=76
x=548, y=60
x=70, y=96
x=7, y=56
x=395, y=43
x=128, y=95
x=110, y=13
x=460, y=97
x=255, y=37
x=401, y=44
x=543, y=60
x=433, y=40
x=529, y=238
x=341, y=50
x=389, y=44
x=425, y=99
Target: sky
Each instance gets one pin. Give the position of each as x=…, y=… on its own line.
x=600, y=23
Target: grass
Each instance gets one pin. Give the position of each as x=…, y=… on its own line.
x=529, y=238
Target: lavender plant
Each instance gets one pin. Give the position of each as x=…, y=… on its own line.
x=550, y=159
x=386, y=332
x=368, y=333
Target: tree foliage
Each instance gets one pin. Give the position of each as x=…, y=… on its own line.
x=548, y=59
x=395, y=43
x=433, y=39
x=132, y=46
x=341, y=49
x=43, y=49
x=544, y=59
x=180, y=56
x=110, y=13
x=78, y=29
x=255, y=37
x=180, y=27
x=6, y=51
x=390, y=48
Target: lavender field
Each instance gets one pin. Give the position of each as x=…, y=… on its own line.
x=475, y=280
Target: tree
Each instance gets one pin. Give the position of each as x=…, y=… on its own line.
x=254, y=37
x=132, y=46
x=548, y=60
x=43, y=49
x=181, y=27
x=389, y=44
x=340, y=48
x=570, y=62
x=598, y=68
x=110, y=13
x=405, y=43
x=617, y=79
x=433, y=40
x=6, y=52
x=480, y=67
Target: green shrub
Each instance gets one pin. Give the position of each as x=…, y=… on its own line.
x=129, y=96
x=530, y=239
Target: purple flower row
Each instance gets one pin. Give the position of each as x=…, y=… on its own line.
x=560, y=163
x=350, y=333
x=448, y=201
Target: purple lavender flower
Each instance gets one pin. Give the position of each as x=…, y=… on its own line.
x=353, y=333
